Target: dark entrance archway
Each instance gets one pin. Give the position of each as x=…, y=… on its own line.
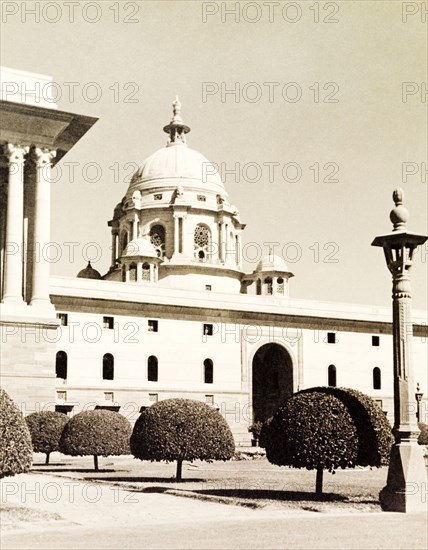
x=272, y=380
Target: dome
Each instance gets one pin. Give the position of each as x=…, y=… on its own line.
x=89, y=273
x=140, y=247
x=272, y=263
x=176, y=164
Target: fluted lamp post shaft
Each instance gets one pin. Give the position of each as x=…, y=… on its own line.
x=407, y=479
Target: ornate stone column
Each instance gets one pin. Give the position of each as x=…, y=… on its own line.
x=14, y=224
x=176, y=234
x=113, y=248
x=42, y=219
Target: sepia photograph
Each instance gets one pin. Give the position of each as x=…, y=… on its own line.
x=213, y=275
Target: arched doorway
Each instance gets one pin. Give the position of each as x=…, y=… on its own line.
x=272, y=380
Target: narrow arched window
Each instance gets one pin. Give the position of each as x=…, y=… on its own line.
x=145, y=273
x=332, y=378
x=208, y=371
x=259, y=287
x=152, y=369
x=157, y=238
x=377, y=382
x=61, y=365
x=108, y=367
x=268, y=285
x=201, y=240
x=124, y=241
x=133, y=273
x=280, y=285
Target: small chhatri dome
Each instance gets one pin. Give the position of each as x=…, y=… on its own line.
x=399, y=215
x=140, y=247
x=89, y=273
x=272, y=263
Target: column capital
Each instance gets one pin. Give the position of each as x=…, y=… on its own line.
x=15, y=153
x=44, y=156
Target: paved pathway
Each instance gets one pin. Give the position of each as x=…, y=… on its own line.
x=98, y=516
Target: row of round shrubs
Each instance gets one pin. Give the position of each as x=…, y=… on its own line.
x=173, y=429
x=319, y=428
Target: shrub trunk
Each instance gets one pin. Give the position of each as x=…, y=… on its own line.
x=47, y=458
x=178, y=476
x=318, y=484
x=96, y=463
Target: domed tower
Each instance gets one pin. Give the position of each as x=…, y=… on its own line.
x=177, y=202
x=140, y=262
x=270, y=277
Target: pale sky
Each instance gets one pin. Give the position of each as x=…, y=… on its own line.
x=351, y=122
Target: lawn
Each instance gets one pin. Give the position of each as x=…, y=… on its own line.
x=253, y=483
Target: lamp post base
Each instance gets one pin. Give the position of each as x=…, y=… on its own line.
x=406, y=486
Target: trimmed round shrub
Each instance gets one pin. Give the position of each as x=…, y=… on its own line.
x=97, y=433
x=181, y=429
x=423, y=436
x=46, y=428
x=327, y=429
x=375, y=437
x=16, y=452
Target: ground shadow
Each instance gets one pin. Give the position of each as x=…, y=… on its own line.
x=77, y=470
x=265, y=494
x=148, y=480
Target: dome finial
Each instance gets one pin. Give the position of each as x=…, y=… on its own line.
x=399, y=215
x=176, y=128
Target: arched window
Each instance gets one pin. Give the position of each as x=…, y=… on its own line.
x=157, y=238
x=152, y=369
x=202, y=238
x=123, y=273
x=332, y=379
x=280, y=285
x=377, y=382
x=208, y=371
x=237, y=251
x=133, y=273
x=259, y=287
x=61, y=365
x=108, y=367
x=124, y=241
x=268, y=285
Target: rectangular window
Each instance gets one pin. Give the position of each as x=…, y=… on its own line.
x=379, y=402
x=65, y=409
x=152, y=325
x=153, y=397
x=61, y=395
x=331, y=337
x=108, y=396
x=108, y=322
x=157, y=196
x=202, y=198
x=207, y=330
x=209, y=399
x=208, y=287
x=63, y=319
x=375, y=341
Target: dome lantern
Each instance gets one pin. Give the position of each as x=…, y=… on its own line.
x=176, y=129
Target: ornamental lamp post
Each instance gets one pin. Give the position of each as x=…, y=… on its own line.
x=407, y=478
x=418, y=397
